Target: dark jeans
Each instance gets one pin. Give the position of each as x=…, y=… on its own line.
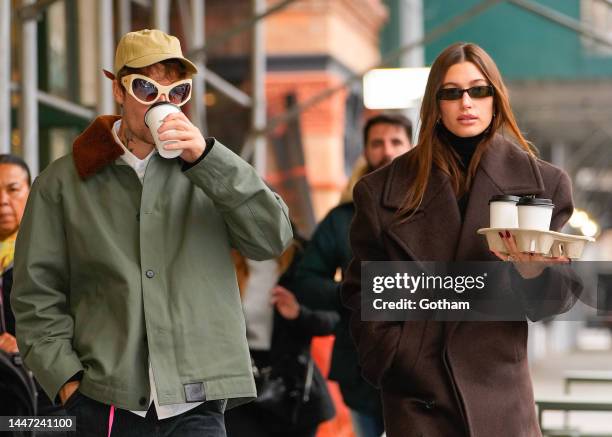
x=205, y=420
x=247, y=421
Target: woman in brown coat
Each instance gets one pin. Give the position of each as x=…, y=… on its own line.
x=452, y=379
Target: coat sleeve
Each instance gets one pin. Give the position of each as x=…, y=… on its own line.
x=316, y=323
x=376, y=342
x=257, y=219
x=555, y=291
x=40, y=295
x=315, y=286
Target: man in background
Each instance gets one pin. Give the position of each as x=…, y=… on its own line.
x=385, y=137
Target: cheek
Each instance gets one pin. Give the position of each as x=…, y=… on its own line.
x=446, y=110
x=18, y=206
x=486, y=111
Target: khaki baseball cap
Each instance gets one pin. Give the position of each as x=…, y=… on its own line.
x=148, y=46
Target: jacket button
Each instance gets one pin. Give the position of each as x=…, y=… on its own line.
x=142, y=401
x=150, y=274
x=429, y=405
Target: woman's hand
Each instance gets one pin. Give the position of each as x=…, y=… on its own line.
x=189, y=139
x=285, y=302
x=529, y=265
x=8, y=343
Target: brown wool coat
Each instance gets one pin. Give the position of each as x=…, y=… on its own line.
x=447, y=379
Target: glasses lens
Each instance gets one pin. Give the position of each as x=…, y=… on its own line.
x=450, y=94
x=179, y=93
x=144, y=90
x=480, y=91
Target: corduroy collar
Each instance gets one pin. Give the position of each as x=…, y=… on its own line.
x=96, y=148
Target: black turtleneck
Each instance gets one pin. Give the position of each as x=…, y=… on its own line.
x=465, y=148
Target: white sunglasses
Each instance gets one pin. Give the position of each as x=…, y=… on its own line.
x=147, y=91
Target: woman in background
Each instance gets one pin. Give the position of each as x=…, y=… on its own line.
x=279, y=333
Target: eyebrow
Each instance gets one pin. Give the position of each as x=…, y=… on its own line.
x=471, y=82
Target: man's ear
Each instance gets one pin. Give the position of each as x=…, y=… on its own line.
x=118, y=92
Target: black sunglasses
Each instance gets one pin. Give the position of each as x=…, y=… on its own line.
x=475, y=92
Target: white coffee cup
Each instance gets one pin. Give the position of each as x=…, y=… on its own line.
x=535, y=214
x=154, y=118
x=503, y=212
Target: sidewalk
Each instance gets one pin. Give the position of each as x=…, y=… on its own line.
x=548, y=374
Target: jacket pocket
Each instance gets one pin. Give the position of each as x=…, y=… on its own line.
x=377, y=349
x=408, y=351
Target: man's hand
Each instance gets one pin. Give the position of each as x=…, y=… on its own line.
x=67, y=390
x=189, y=139
x=285, y=303
x=8, y=343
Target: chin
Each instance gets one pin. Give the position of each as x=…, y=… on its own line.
x=468, y=131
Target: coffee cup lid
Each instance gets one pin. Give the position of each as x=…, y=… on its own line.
x=156, y=104
x=533, y=201
x=504, y=198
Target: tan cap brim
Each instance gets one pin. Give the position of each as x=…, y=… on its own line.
x=145, y=61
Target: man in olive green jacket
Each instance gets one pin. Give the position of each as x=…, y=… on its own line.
x=125, y=294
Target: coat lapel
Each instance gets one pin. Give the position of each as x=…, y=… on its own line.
x=432, y=230
x=504, y=169
x=435, y=230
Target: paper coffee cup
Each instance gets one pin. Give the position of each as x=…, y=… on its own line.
x=154, y=118
x=503, y=212
x=535, y=214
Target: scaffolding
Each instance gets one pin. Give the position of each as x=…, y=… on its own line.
x=192, y=13
x=192, y=20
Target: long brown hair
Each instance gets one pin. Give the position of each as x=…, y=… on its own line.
x=431, y=147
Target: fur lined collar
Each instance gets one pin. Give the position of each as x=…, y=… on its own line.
x=96, y=148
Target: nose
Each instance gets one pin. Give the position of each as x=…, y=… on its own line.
x=389, y=150
x=163, y=98
x=466, y=100
x=3, y=197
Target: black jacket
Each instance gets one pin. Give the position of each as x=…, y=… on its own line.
x=7, y=312
x=289, y=355
x=315, y=287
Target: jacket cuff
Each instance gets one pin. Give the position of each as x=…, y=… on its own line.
x=76, y=377
x=210, y=142
x=53, y=375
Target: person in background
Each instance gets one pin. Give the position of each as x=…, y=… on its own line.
x=385, y=137
x=279, y=332
x=15, y=181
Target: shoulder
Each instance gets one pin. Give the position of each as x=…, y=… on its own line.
x=551, y=173
x=389, y=183
x=335, y=223
x=57, y=175
x=340, y=212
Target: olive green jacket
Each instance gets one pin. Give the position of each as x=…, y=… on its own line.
x=111, y=273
